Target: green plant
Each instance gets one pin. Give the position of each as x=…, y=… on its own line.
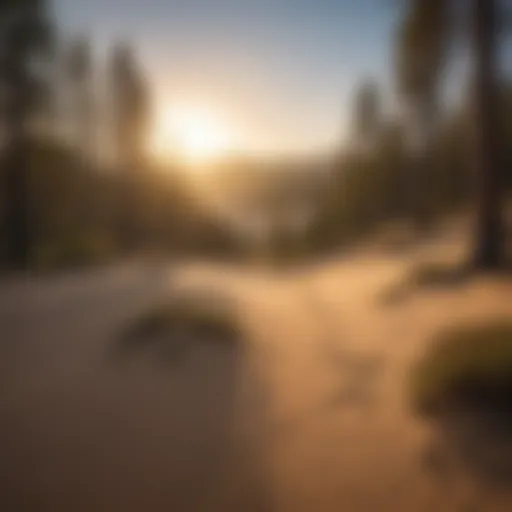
x=466, y=366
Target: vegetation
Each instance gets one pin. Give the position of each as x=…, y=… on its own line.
x=467, y=366
x=427, y=275
x=71, y=178
x=428, y=29
x=420, y=59
x=25, y=37
x=183, y=321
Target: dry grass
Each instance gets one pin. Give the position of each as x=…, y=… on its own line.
x=183, y=320
x=428, y=274
x=424, y=276
x=466, y=366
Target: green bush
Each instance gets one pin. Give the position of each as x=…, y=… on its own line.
x=466, y=366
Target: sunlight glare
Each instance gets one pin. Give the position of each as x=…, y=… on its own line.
x=193, y=135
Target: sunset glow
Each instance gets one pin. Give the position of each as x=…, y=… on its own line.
x=192, y=135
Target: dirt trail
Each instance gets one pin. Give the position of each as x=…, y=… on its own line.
x=335, y=357
x=309, y=413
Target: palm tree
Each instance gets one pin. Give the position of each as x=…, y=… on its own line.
x=423, y=43
x=25, y=36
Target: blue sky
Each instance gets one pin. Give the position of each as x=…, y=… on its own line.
x=281, y=71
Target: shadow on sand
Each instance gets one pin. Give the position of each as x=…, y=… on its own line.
x=134, y=437
x=469, y=457
x=431, y=277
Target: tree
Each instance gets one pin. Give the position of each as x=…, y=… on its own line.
x=130, y=116
x=25, y=37
x=367, y=113
x=420, y=56
x=79, y=73
x=489, y=247
x=130, y=103
x=423, y=43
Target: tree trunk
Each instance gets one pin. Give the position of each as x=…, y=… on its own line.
x=423, y=163
x=489, y=236
x=18, y=231
x=17, y=221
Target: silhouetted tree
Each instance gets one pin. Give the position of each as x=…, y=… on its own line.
x=367, y=113
x=130, y=115
x=421, y=49
x=489, y=235
x=79, y=70
x=130, y=103
x=25, y=36
x=422, y=45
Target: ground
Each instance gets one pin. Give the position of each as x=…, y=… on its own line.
x=308, y=413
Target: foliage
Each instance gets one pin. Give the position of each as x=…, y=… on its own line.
x=63, y=201
x=367, y=112
x=421, y=48
x=424, y=40
x=79, y=71
x=185, y=319
x=465, y=364
x=130, y=101
x=25, y=43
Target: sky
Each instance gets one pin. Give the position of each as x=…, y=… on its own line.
x=281, y=73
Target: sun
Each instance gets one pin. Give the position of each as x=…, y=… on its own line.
x=193, y=135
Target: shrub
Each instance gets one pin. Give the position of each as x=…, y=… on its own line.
x=185, y=318
x=466, y=366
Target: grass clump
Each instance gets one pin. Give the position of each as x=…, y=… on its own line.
x=424, y=276
x=428, y=274
x=183, y=321
x=468, y=366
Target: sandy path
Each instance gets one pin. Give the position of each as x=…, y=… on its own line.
x=335, y=359
x=308, y=414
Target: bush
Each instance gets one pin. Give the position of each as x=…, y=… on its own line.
x=188, y=318
x=467, y=366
